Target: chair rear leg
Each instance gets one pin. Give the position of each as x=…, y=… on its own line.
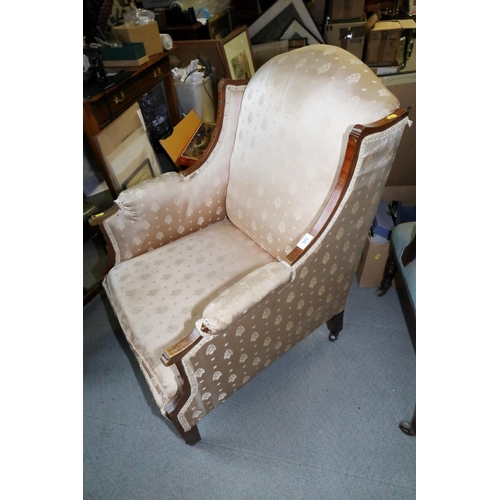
x=335, y=326
x=410, y=428
x=389, y=273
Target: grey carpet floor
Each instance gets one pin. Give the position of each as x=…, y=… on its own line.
x=320, y=423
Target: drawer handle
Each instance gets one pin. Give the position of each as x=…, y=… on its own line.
x=119, y=98
x=157, y=72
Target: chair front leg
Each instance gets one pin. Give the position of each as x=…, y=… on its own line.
x=191, y=437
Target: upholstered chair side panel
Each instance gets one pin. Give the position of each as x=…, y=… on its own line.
x=162, y=381
x=165, y=208
x=220, y=364
x=293, y=129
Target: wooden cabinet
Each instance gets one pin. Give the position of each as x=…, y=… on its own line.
x=102, y=108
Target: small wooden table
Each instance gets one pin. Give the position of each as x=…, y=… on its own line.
x=102, y=108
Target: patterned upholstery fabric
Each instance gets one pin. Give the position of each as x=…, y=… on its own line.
x=295, y=120
x=165, y=208
x=159, y=295
x=229, y=224
x=221, y=364
x=235, y=302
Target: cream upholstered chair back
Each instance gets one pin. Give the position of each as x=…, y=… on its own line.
x=294, y=124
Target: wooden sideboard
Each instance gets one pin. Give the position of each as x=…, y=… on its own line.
x=102, y=108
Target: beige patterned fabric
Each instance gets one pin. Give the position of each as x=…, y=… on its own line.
x=235, y=302
x=222, y=363
x=158, y=296
x=296, y=116
x=229, y=224
x=168, y=207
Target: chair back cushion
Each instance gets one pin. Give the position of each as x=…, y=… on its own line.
x=296, y=116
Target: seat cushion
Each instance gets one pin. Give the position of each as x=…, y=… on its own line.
x=159, y=295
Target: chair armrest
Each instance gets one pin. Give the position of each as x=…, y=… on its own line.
x=231, y=305
x=238, y=299
x=163, y=209
x=403, y=236
x=410, y=252
x=160, y=210
x=174, y=353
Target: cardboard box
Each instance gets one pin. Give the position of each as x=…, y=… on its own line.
x=346, y=9
x=372, y=265
x=371, y=268
x=374, y=258
x=317, y=10
x=148, y=34
x=348, y=34
x=382, y=43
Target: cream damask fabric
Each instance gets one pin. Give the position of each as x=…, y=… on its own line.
x=220, y=364
x=284, y=157
x=235, y=302
x=168, y=207
x=295, y=120
x=158, y=296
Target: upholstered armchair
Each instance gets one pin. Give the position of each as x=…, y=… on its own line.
x=403, y=260
x=218, y=271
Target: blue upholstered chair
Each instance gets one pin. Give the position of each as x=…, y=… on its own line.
x=402, y=260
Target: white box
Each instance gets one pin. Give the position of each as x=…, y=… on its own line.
x=198, y=96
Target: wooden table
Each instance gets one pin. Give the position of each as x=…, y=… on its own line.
x=102, y=108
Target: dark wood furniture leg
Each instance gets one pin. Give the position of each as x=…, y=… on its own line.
x=90, y=293
x=409, y=253
x=409, y=428
x=389, y=273
x=335, y=326
x=191, y=437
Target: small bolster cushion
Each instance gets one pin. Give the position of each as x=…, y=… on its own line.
x=235, y=302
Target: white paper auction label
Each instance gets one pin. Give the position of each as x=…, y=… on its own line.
x=304, y=241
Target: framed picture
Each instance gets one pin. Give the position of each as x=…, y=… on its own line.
x=297, y=30
x=272, y=23
x=142, y=173
x=220, y=25
x=197, y=145
x=237, y=51
x=126, y=149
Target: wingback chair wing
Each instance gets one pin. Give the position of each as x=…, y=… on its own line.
x=219, y=271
